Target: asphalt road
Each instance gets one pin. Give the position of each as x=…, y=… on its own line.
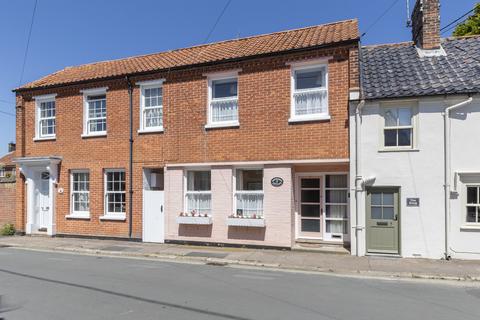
x=39, y=285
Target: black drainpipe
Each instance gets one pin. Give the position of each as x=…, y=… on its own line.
x=130, y=160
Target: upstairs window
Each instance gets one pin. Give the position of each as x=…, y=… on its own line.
x=473, y=204
x=309, y=93
x=95, y=113
x=151, y=105
x=223, y=101
x=398, y=127
x=198, y=194
x=46, y=114
x=2, y=173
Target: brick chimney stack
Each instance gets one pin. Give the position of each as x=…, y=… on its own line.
x=426, y=24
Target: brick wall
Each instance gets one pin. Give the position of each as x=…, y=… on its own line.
x=426, y=24
x=264, y=132
x=7, y=203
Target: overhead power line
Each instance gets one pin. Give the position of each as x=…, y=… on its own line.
x=28, y=42
x=217, y=21
x=379, y=18
x=459, y=18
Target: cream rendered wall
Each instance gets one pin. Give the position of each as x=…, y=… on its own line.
x=419, y=174
x=277, y=209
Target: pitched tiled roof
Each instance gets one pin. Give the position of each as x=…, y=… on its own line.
x=7, y=160
x=396, y=70
x=215, y=52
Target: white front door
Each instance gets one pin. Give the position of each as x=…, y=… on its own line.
x=153, y=216
x=42, y=200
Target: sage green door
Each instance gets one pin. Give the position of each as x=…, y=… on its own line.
x=382, y=220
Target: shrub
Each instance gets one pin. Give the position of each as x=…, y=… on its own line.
x=8, y=229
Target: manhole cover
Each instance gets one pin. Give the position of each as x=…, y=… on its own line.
x=120, y=248
x=206, y=254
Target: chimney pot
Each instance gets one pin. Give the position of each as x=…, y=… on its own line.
x=11, y=147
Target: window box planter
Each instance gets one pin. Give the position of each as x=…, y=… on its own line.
x=194, y=220
x=246, y=222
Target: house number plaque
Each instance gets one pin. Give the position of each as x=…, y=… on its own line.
x=276, y=181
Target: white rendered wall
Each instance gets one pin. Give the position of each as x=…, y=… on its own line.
x=420, y=174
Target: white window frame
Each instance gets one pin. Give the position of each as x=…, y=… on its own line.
x=333, y=236
x=113, y=215
x=215, y=77
x=186, y=192
x=466, y=205
x=73, y=213
x=413, y=125
x=86, y=128
x=253, y=192
x=2, y=172
x=306, y=65
x=38, y=130
x=151, y=84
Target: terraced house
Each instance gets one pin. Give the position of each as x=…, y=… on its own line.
x=414, y=145
x=237, y=142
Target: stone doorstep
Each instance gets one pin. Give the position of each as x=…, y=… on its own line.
x=320, y=246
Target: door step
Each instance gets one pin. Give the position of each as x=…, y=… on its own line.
x=321, y=246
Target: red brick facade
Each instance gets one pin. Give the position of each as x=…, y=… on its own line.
x=264, y=132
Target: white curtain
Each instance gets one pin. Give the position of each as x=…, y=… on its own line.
x=310, y=102
x=200, y=202
x=225, y=110
x=250, y=204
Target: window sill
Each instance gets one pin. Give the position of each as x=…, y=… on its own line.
x=94, y=135
x=114, y=217
x=78, y=216
x=147, y=131
x=246, y=222
x=194, y=220
x=468, y=227
x=399, y=150
x=322, y=117
x=45, y=138
x=222, y=125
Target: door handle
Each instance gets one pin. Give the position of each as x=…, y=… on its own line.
x=395, y=217
x=161, y=208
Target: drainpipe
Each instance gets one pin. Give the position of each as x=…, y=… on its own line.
x=130, y=160
x=447, y=178
x=358, y=175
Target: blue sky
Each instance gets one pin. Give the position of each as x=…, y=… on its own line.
x=72, y=32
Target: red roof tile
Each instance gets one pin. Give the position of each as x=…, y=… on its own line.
x=209, y=53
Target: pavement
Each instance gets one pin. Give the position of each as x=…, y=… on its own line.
x=329, y=263
x=59, y=285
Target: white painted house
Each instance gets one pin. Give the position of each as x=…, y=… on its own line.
x=415, y=145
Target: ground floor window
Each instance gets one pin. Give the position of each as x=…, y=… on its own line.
x=249, y=193
x=80, y=192
x=473, y=204
x=115, y=192
x=198, y=192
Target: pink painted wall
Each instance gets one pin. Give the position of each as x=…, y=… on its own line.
x=278, y=203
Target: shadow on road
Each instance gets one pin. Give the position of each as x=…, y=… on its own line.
x=124, y=295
